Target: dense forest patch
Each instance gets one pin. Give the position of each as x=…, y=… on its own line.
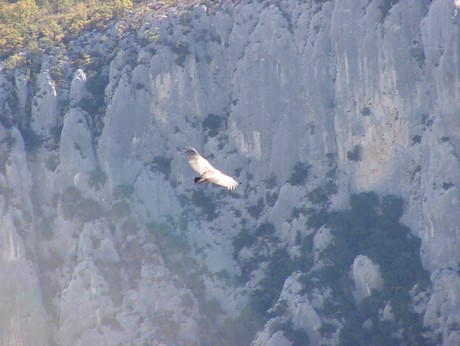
x=30, y=27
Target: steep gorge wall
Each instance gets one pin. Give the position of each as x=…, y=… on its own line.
x=92, y=172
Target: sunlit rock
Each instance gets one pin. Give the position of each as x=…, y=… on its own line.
x=366, y=276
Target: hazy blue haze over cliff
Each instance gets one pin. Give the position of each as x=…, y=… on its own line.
x=339, y=118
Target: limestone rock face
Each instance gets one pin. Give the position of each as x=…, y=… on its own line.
x=321, y=240
x=44, y=107
x=105, y=239
x=443, y=305
x=77, y=156
x=366, y=276
x=272, y=339
x=77, y=88
x=24, y=320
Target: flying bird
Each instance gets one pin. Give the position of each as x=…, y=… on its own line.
x=207, y=172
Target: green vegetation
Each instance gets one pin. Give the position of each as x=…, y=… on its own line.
x=271, y=182
x=52, y=162
x=299, y=174
x=416, y=139
x=29, y=28
x=366, y=111
x=256, y=210
x=264, y=233
x=32, y=141
x=97, y=178
x=213, y=124
x=171, y=241
x=320, y=195
x=371, y=227
x=75, y=205
x=182, y=50
x=36, y=25
x=162, y=165
x=240, y=330
x=295, y=336
x=277, y=271
x=94, y=102
x=120, y=209
x=385, y=7
x=199, y=199
x=123, y=191
x=416, y=51
x=243, y=239
x=277, y=267
x=151, y=36
x=355, y=154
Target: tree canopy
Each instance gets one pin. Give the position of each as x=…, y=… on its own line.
x=33, y=25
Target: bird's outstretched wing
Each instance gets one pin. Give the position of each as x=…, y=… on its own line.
x=222, y=179
x=207, y=172
x=198, y=163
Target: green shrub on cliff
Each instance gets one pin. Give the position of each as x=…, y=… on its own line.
x=31, y=25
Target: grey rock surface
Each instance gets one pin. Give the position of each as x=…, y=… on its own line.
x=366, y=276
x=105, y=239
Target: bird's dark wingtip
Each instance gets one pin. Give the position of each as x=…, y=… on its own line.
x=191, y=151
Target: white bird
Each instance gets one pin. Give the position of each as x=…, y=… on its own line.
x=207, y=172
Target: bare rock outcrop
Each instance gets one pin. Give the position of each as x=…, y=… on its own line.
x=105, y=238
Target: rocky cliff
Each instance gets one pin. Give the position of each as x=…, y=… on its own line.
x=339, y=118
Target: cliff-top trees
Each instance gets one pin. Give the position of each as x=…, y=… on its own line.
x=31, y=25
